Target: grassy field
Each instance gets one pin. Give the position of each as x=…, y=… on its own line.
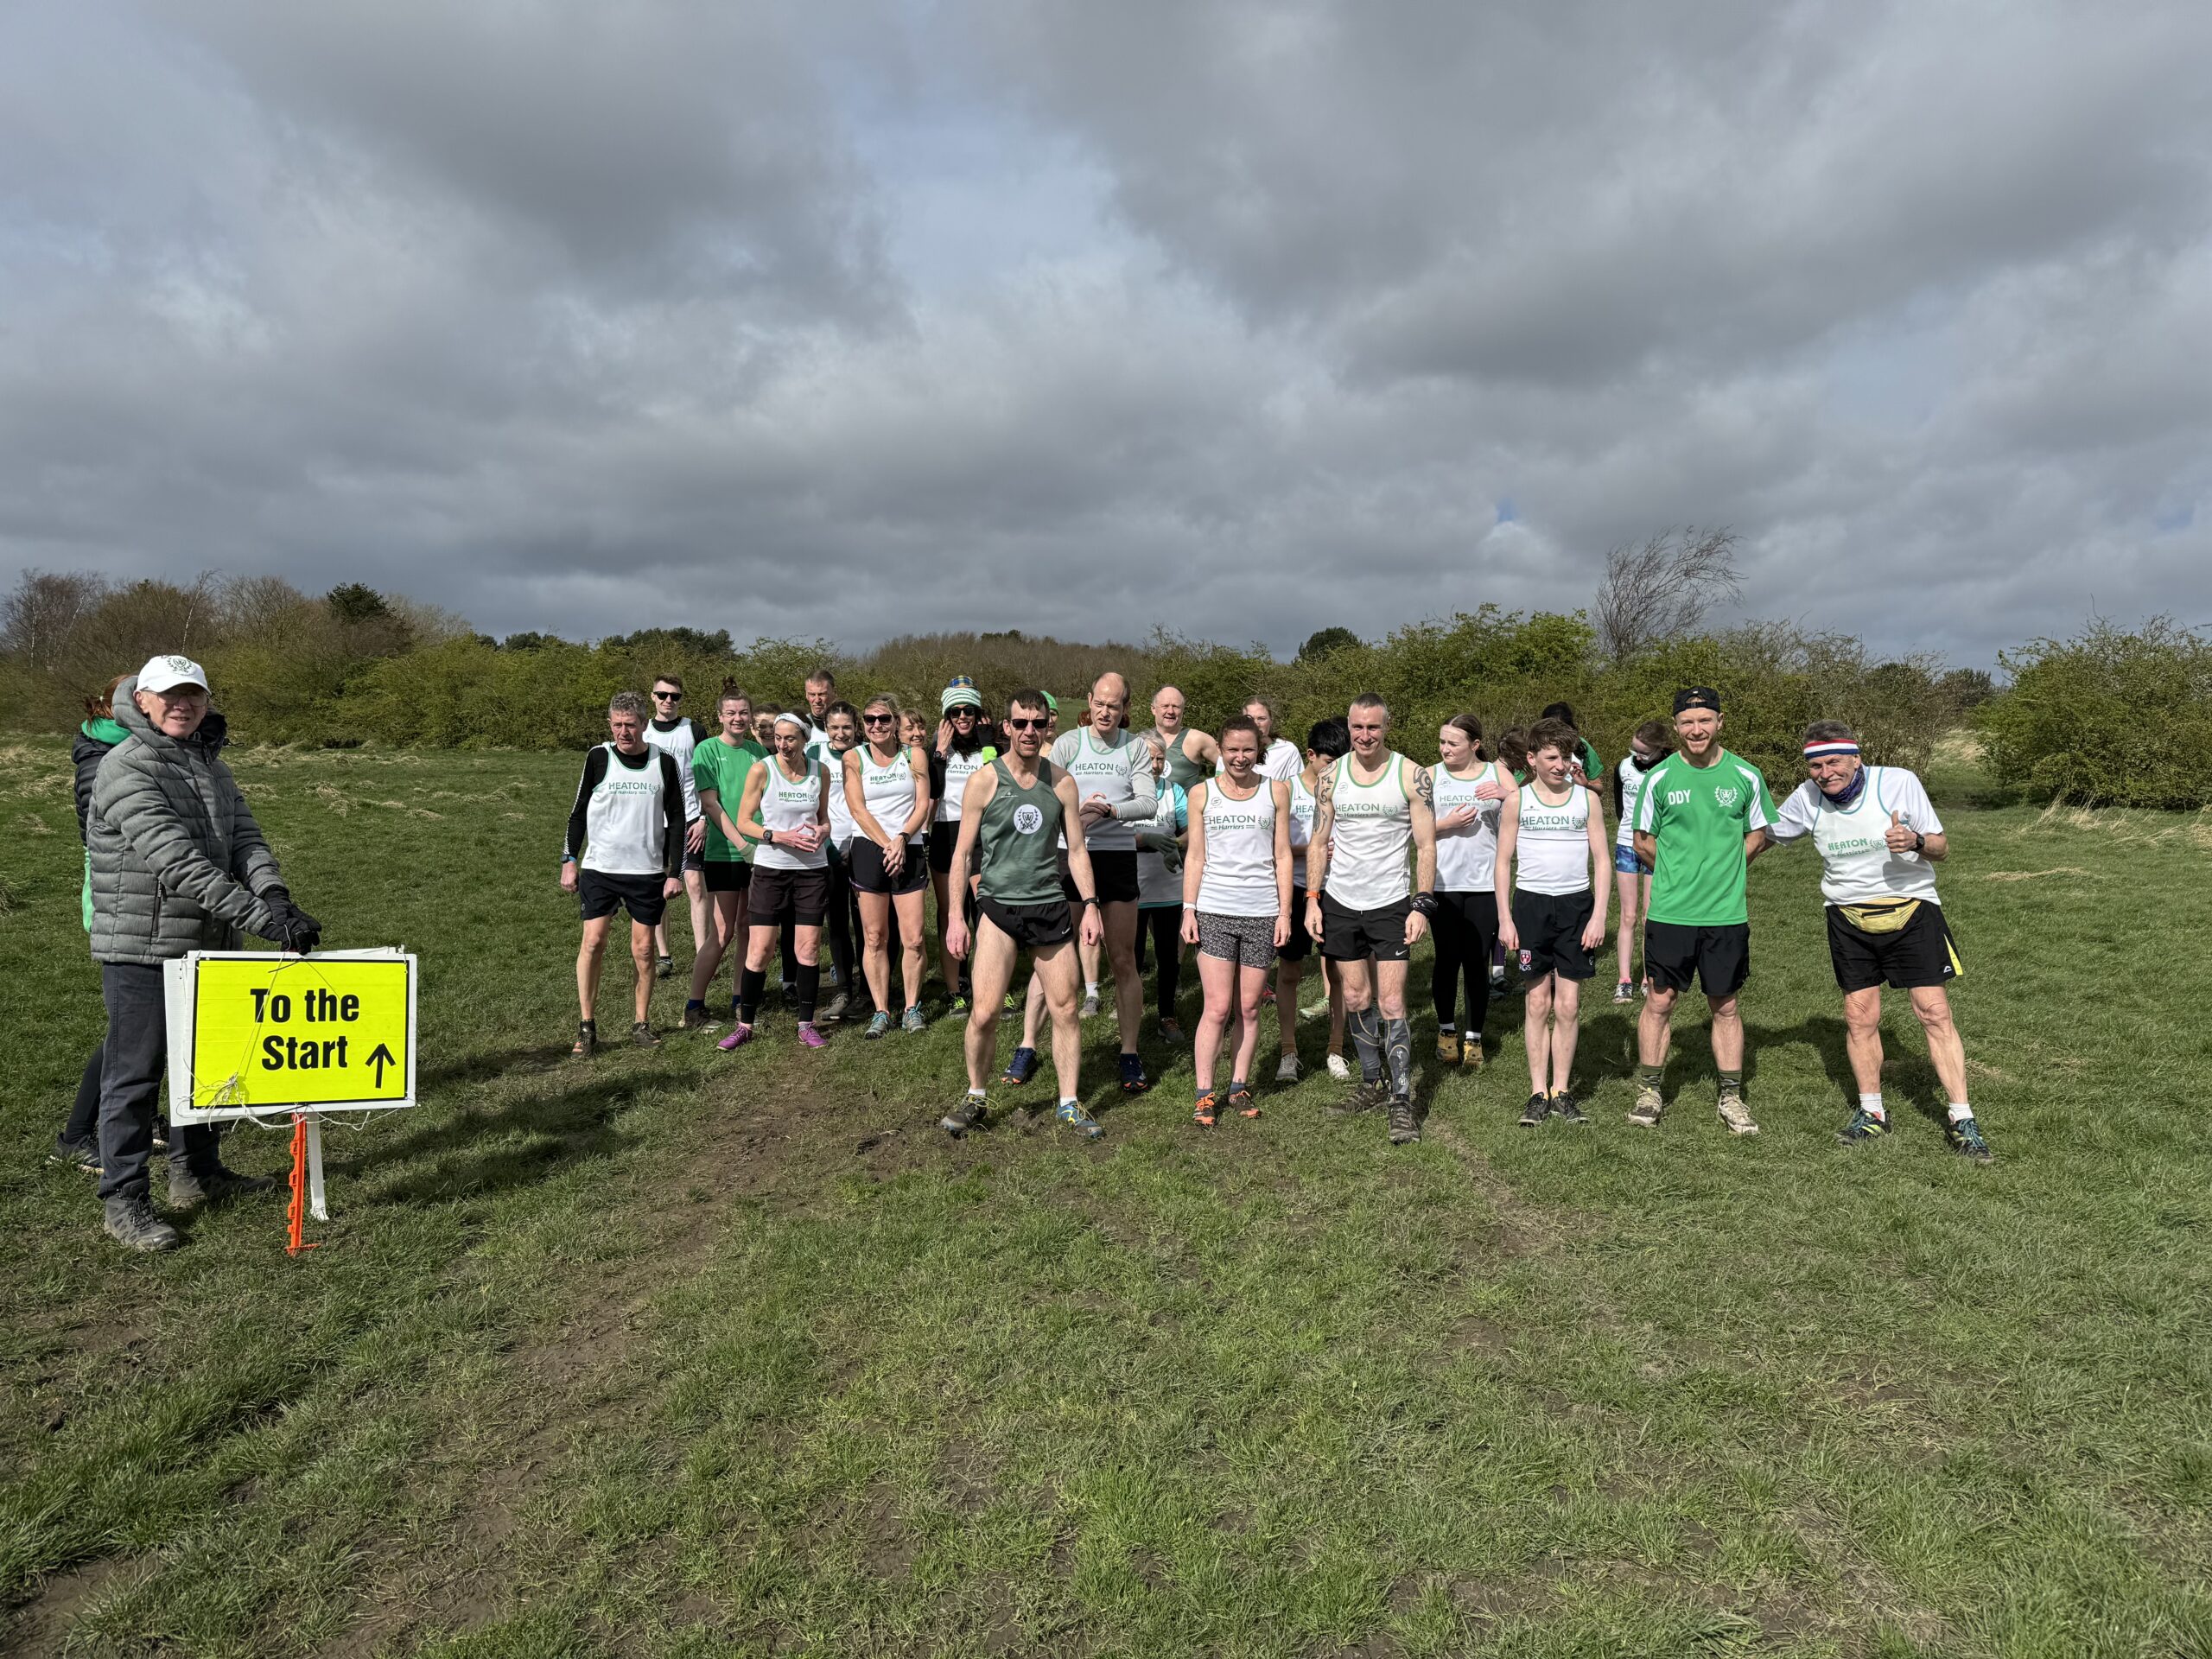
x=686, y=1354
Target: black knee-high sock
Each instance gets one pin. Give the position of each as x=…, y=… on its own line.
x=1398, y=1045
x=1449, y=932
x=807, y=986
x=751, y=981
x=1367, y=1038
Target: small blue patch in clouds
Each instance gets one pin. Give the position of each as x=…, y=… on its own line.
x=1506, y=515
x=2174, y=520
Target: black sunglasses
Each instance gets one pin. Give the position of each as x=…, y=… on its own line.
x=667, y=697
x=1025, y=724
x=876, y=719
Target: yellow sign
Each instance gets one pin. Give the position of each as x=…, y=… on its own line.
x=267, y=1032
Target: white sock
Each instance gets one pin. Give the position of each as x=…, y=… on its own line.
x=1959, y=1111
x=1872, y=1105
x=1090, y=987
x=977, y=1093
x=1066, y=1101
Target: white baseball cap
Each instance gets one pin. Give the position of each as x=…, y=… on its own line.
x=167, y=673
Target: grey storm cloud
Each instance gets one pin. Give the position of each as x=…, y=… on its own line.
x=1239, y=319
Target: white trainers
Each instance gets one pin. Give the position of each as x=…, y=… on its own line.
x=1287, y=1072
x=1737, y=1116
x=1090, y=1005
x=1338, y=1068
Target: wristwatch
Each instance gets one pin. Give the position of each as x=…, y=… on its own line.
x=1090, y=898
x=1425, y=903
x=1919, y=841
x=767, y=837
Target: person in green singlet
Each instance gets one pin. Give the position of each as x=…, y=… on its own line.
x=1192, y=757
x=1014, y=810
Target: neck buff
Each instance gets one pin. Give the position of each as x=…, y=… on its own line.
x=1849, y=794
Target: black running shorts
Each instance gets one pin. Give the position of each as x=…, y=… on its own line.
x=1349, y=935
x=799, y=897
x=640, y=895
x=1919, y=954
x=1115, y=873
x=728, y=875
x=944, y=837
x=1720, y=958
x=864, y=858
x=1031, y=925
x=1299, y=945
x=1550, y=925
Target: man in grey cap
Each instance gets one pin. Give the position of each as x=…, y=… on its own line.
x=178, y=864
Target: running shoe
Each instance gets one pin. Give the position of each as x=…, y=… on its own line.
x=1649, y=1104
x=1134, y=1081
x=877, y=1026
x=1241, y=1103
x=1171, y=1034
x=1735, y=1114
x=642, y=1035
x=1624, y=991
x=1534, y=1112
x=1011, y=1006
x=1568, y=1109
x=833, y=1010
x=1965, y=1137
x=160, y=1132
x=75, y=1154
x=1405, y=1128
x=1020, y=1066
x=1864, y=1127
x=1339, y=1068
x=131, y=1223
x=959, y=1006
x=586, y=1044
x=1090, y=1005
x=1204, y=1113
x=914, y=1019
x=1071, y=1114
x=968, y=1114
x=1365, y=1097
x=739, y=1034
x=1289, y=1071
x=1471, y=1050
x=1497, y=981
x=190, y=1188
x=810, y=1038
x=1449, y=1048
x=663, y=966
x=1315, y=1010
x=696, y=1018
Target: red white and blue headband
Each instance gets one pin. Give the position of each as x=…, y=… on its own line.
x=1830, y=746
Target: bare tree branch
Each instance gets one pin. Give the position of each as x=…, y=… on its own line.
x=1663, y=588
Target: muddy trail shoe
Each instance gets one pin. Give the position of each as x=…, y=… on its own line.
x=1134, y=1081
x=696, y=1018
x=914, y=1019
x=1241, y=1102
x=1071, y=1115
x=642, y=1035
x=1863, y=1127
x=1090, y=1005
x=1339, y=1068
x=1534, y=1112
x=1568, y=1109
x=1405, y=1128
x=968, y=1114
x=877, y=1026
x=1649, y=1104
x=189, y=1189
x=663, y=966
x=1735, y=1114
x=1366, y=1096
x=1171, y=1033
x=833, y=1010
x=131, y=1223
x=1289, y=1071
x=83, y=1155
x=587, y=1042
x=1449, y=1047
x=1965, y=1139
x=1471, y=1052
x=1020, y=1066
x=1205, y=1113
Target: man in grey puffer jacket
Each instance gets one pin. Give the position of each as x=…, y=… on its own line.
x=178, y=864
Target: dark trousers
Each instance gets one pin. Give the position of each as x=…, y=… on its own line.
x=1465, y=929
x=838, y=922
x=132, y=1064
x=84, y=1126
x=1162, y=925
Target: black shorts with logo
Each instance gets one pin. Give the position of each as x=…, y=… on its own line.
x=799, y=897
x=1550, y=925
x=728, y=875
x=1919, y=954
x=1115, y=873
x=1720, y=958
x=641, y=895
x=1299, y=944
x=1031, y=925
x=864, y=858
x=1349, y=935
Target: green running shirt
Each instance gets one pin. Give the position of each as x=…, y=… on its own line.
x=1019, y=838
x=721, y=767
x=1700, y=816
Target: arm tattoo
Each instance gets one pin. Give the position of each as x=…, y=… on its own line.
x=1424, y=785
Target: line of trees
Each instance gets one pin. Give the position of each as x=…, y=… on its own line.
x=2110, y=717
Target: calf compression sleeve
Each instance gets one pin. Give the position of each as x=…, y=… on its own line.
x=806, y=985
x=1367, y=1038
x=751, y=981
x=1398, y=1045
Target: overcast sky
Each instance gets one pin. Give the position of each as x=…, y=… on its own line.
x=1090, y=315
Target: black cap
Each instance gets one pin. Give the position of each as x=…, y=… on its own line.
x=1697, y=696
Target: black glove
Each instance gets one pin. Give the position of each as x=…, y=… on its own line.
x=291, y=927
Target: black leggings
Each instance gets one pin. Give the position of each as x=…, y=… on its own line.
x=838, y=922
x=1163, y=925
x=1466, y=926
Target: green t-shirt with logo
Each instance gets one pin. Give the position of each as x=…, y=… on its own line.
x=1700, y=816
x=721, y=767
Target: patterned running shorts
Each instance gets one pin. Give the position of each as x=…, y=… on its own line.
x=1248, y=941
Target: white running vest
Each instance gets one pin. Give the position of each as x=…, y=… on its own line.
x=1553, y=852
x=1239, y=878
x=958, y=769
x=842, y=827
x=1467, y=858
x=680, y=741
x=627, y=817
x=1632, y=775
x=1302, y=806
x=785, y=804
x=889, y=792
x=1857, y=867
x=1282, y=762
x=1375, y=826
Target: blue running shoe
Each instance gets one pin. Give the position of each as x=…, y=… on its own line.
x=879, y=1024
x=914, y=1019
x=1863, y=1127
x=1071, y=1114
x=1134, y=1081
x=1965, y=1137
x=1020, y=1068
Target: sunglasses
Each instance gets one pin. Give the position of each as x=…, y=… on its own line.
x=667, y=697
x=1026, y=723
x=876, y=719
x=964, y=713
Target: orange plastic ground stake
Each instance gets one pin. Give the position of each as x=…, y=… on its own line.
x=296, y=1211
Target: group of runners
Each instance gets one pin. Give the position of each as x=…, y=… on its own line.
x=1082, y=846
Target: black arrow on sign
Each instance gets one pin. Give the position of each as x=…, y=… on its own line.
x=380, y=1057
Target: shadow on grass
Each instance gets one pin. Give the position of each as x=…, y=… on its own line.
x=475, y=1153
x=487, y=1064
x=1907, y=1073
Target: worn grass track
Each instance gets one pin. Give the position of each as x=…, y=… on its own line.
x=685, y=1354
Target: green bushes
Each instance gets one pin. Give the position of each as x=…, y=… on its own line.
x=2107, y=718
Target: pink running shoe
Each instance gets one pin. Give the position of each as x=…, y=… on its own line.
x=810, y=1038
x=739, y=1034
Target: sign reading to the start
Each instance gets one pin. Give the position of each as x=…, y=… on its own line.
x=250, y=1032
